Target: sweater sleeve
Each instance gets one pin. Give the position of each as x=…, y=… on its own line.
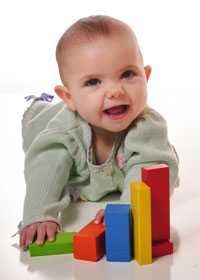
x=46, y=171
x=148, y=144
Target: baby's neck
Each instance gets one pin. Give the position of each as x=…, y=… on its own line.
x=103, y=142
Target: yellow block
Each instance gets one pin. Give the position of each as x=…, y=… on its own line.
x=141, y=210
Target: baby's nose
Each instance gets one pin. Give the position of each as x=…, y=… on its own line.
x=115, y=92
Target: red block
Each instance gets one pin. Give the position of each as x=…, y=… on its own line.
x=89, y=242
x=162, y=248
x=157, y=178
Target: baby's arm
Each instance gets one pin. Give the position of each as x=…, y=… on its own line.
x=148, y=144
x=47, y=169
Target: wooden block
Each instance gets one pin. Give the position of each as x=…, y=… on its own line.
x=162, y=248
x=63, y=244
x=89, y=242
x=157, y=178
x=118, y=233
x=141, y=210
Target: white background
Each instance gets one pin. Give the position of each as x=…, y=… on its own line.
x=168, y=33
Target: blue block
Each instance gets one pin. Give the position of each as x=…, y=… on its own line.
x=118, y=232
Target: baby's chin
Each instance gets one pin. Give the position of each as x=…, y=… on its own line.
x=117, y=129
x=107, y=131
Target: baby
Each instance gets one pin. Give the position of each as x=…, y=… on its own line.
x=97, y=139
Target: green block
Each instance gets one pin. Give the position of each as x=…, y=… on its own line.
x=63, y=244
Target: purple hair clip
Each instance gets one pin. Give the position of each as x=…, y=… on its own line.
x=44, y=97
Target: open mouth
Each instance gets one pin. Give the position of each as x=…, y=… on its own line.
x=117, y=112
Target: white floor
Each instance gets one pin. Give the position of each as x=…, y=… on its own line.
x=185, y=211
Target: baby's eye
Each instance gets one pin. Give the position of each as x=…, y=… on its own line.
x=92, y=82
x=128, y=74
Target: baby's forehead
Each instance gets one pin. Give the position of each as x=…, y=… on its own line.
x=103, y=62
x=122, y=40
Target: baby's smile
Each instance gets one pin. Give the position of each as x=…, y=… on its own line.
x=117, y=112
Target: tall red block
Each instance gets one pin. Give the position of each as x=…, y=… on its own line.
x=157, y=178
x=89, y=242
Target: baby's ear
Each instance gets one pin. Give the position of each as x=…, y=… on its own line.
x=64, y=94
x=147, y=70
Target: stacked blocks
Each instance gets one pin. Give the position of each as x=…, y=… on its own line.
x=89, y=242
x=63, y=244
x=118, y=232
x=157, y=178
x=141, y=208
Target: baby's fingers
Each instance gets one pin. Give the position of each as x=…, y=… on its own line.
x=41, y=234
x=51, y=230
x=99, y=218
x=27, y=235
x=22, y=240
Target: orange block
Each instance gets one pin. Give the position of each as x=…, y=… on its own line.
x=89, y=242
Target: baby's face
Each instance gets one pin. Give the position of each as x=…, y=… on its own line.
x=106, y=82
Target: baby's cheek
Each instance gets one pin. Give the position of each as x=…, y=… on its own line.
x=141, y=97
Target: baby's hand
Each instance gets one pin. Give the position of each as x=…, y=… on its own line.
x=99, y=218
x=41, y=230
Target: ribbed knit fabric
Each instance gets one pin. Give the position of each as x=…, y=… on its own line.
x=60, y=164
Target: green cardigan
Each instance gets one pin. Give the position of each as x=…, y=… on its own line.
x=60, y=163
